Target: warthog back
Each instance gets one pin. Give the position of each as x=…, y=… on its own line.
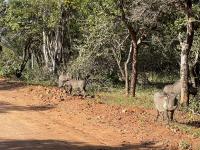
x=176, y=88
x=173, y=88
x=77, y=84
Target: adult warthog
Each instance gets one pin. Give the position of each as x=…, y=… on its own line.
x=71, y=85
x=165, y=103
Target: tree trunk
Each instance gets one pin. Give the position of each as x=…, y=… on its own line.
x=26, y=57
x=44, y=50
x=184, y=75
x=118, y=61
x=185, y=49
x=134, y=69
x=126, y=70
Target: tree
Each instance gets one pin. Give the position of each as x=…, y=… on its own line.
x=186, y=44
x=139, y=17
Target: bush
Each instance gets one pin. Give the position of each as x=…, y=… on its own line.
x=9, y=62
x=195, y=104
x=39, y=76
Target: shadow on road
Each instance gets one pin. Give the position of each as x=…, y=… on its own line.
x=8, y=107
x=64, y=145
x=10, y=85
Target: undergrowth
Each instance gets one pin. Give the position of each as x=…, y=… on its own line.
x=117, y=97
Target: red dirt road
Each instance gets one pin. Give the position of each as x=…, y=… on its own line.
x=43, y=118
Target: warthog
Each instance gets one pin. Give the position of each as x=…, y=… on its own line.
x=75, y=85
x=62, y=79
x=165, y=103
x=176, y=88
x=70, y=84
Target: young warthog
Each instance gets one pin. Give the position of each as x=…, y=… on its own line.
x=75, y=85
x=165, y=103
x=176, y=88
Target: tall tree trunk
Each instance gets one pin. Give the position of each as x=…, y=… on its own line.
x=185, y=49
x=56, y=49
x=126, y=70
x=184, y=75
x=133, y=34
x=134, y=68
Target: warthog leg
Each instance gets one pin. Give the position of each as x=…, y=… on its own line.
x=157, y=116
x=172, y=115
x=166, y=116
x=83, y=92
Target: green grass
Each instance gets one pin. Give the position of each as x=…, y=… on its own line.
x=144, y=97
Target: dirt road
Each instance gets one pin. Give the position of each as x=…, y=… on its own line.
x=39, y=118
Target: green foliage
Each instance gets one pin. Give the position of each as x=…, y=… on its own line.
x=38, y=76
x=8, y=62
x=94, y=56
x=194, y=105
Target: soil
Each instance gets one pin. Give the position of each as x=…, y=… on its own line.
x=42, y=118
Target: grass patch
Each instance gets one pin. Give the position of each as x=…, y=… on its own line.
x=144, y=97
